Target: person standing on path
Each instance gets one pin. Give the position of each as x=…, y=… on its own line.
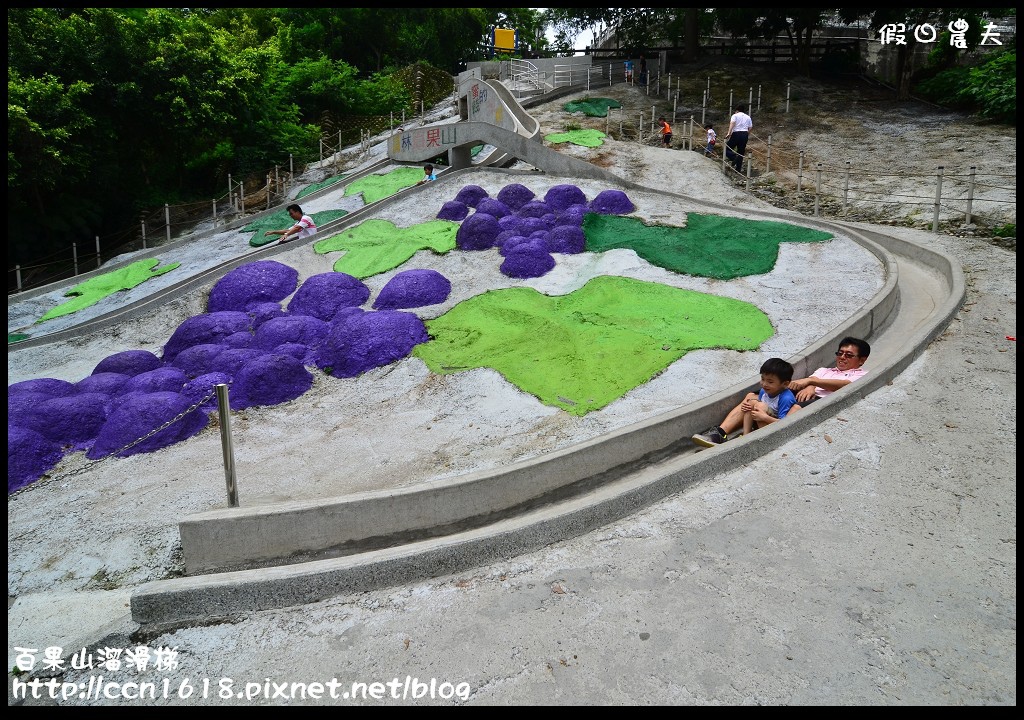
x=709, y=149
x=740, y=125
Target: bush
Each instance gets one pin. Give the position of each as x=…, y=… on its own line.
x=988, y=89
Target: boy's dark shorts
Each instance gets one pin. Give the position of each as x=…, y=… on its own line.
x=667, y=138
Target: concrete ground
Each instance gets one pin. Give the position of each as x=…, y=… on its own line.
x=871, y=561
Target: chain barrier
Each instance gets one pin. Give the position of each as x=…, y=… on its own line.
x=50, y=479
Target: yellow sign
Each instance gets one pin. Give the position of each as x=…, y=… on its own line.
x=504, y=39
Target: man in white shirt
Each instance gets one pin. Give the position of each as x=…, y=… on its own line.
x=740, y=125
x=303, y=227
x=852, y=353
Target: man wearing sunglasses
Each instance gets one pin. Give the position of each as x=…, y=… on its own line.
x=852, y=353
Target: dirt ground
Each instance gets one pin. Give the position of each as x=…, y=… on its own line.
x=870, y=562
x=880, y=155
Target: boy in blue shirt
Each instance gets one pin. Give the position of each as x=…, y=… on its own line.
x=771, y=403
x=428, y=174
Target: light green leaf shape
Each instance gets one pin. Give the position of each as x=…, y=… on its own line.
x=586, y=138
x=95, y=289
x=581, y=351
x=378, y=187
x=376, y=246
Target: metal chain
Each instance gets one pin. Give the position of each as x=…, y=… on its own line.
x=133, y=443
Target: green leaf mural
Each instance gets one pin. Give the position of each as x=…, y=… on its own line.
x=281, y=220
x=586, y=138
x=376, y=246
x=711, y=246
x=378, y=187
x=95, y=289
x=583, y=350
x=594, y=107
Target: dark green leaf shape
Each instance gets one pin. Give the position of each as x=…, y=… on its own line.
x=281, y=220
x=711, y=246
x=594, y=107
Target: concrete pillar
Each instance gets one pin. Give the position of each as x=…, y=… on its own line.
x=460, y=157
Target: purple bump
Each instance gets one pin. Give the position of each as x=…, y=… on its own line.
x=241, y=339
x=527, y=264
x=251, y=284
x=413, y=288
x=471, y=194
x=321, y=296
x=302, y=329
x=560, y=197
x=515, y=195
x=230, y=361
x=510, y=223
x=533, y=224
x=478, y=232
x=47, y=386
x=141, y=414
x=567, y=239
x=572, y=215
x=261, y=312
x=612, y=202
x=196, y=360
x=68, y=420
x=204, y=388
x=369, y=340
x=453, y=210
x=29, y=456
x=129, y=362
x=107, y=383
x=206, y=328
x=495, y=208
x=22, y=402
x=269, y=380
x=164, y=379
x=534, y=209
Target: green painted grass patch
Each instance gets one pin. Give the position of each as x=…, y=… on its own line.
x=583, y=350
x=281, y=220
x=586, y=138
x=711, y=246
x=594, y=107
x=378, y=187
x=95, y=289
x=376, y=246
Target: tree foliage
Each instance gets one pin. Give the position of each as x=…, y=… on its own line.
x=989, y=89
x=112, y=111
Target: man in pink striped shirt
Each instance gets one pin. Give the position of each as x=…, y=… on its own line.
x=852, y=353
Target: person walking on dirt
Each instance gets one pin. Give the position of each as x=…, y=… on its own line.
x=666, y=132
x=740, y=125
x=709, y=149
